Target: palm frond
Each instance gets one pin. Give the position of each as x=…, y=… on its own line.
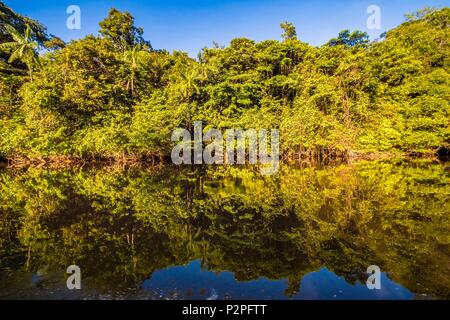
x=6, y=67
x=7, y=46
x=35, y=58
x=28, y=33
x=14, y=56
x=3, y=65
x=14, y=34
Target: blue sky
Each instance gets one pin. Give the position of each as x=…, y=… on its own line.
x=191, y=25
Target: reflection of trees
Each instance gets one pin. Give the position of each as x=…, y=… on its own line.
x=122, y=226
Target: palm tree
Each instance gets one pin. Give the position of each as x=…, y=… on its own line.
x=188, y=86
x=131, y=59
x=189, y=83
x=23, y=48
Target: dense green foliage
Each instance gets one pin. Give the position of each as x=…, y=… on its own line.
x=120, y=226
x=113, y=95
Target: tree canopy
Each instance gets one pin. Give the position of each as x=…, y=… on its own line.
x=112, y=95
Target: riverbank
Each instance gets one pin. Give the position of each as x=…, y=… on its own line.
x=151, y=160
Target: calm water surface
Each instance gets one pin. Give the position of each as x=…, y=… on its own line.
x=227, y=233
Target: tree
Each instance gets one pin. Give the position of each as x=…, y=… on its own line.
x=23, y=48
x=290, y=32
x=54, y=44
x=130, y=58
x=189, y=78
x=419, y=14
x=356, y=38
x=109, y=94
x=20, y=23
x=120, y=29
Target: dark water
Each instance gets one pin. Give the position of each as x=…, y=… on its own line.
x=227, y=233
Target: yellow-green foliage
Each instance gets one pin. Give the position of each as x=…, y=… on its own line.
x=114, y=95
x=123, y=225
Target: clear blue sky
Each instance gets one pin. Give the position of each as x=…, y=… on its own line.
x=190, y=25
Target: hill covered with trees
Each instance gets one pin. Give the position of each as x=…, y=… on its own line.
x=112, y=95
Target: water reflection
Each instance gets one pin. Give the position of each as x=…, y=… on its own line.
x=193, y=283
x=307, y=233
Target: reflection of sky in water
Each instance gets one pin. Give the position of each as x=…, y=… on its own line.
x=191, y=282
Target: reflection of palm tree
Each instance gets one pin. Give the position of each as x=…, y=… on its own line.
x=28, y=257
x=190, y=245
x=23, y=48
x=293, y=287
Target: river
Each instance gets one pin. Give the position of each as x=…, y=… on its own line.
x=309, y=232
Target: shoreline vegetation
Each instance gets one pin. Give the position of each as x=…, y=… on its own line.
x=113, y=98
x=155, y=161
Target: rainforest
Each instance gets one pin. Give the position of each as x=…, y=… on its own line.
x=113, y=96
x=86, y=177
